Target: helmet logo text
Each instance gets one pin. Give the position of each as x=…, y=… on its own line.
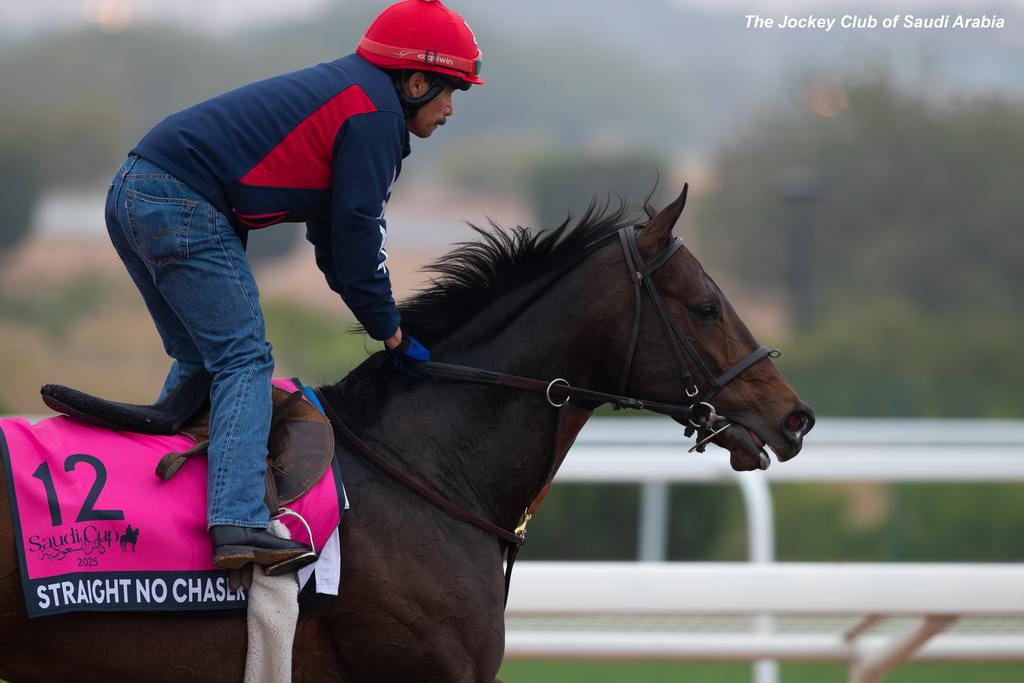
x=432, y=58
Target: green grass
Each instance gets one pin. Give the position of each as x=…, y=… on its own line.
x=654, y=672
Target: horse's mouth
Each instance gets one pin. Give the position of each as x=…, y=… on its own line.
x=746, y=449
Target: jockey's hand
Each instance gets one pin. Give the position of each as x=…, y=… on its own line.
x=409, y=350
x=392, y=342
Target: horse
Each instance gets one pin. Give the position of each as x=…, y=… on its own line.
x=422, y=596
x=130, y=535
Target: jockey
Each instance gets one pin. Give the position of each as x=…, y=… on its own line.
x=322, y=146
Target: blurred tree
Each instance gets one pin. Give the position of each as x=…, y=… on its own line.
x=320, y=348
x=911, y=282
x=90, y=95
x=957, y=523
x=56, y=311
x=921, y=523
x=270, y=244
x=599, y=522
x=915, y=197
x=76, y=144
x=892, y=358
x=579, y=91
x=566, y=184
x=706, y=522
x=585, y=522
x=19, y=191
x=494, y=164
x=148, y=73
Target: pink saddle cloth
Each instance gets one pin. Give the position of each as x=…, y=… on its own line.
x=98, y=531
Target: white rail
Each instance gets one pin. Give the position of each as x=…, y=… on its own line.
x=652, y=452
x=868, y=616
x=795, y=588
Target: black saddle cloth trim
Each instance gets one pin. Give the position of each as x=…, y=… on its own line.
x=168, y=416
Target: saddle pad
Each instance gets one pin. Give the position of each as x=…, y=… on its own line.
x=98, y=531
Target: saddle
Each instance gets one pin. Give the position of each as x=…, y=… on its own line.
x=300, y=446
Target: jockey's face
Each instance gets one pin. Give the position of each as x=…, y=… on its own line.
x=433, y=113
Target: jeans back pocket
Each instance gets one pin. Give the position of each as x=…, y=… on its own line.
x=159, y=226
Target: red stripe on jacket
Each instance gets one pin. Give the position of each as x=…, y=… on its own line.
x=302, y=160
x=261, y=220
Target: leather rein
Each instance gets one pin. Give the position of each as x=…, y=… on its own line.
x=698, y=410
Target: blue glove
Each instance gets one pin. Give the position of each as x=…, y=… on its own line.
x=409, y=350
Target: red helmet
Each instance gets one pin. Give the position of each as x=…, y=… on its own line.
x=423, y=35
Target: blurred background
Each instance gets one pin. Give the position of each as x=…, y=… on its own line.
x=857, y=195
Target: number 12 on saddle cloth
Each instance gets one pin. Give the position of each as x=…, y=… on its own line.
x=98, y=531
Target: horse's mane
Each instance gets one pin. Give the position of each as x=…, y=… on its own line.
x=475, y=274
x=469, y=279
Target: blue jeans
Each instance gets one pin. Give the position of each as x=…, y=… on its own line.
x=189, y=264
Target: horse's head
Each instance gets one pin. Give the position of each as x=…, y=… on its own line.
x=715, y=363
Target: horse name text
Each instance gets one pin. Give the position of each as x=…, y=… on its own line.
x=138, y=591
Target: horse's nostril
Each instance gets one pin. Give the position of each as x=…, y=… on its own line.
x=796, y=422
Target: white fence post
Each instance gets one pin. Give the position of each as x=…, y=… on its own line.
x=652, y=535
x=757, y=497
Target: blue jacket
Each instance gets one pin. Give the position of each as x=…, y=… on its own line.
x=322, y=146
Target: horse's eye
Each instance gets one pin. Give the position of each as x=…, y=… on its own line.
x=705, y=312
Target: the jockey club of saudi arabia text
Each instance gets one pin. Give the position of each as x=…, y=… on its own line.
x=870, y=21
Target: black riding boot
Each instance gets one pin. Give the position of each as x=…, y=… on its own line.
x=236, y=546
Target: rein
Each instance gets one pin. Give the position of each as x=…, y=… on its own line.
x=431, y=495
x=698, y=411
x=557, y=387
x=513, y=539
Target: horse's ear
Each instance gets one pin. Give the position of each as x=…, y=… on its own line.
x=659, y=229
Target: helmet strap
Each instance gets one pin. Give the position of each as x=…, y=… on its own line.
x=411, y=105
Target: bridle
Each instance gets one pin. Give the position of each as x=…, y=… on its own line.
x=703, y=418
x=698, y=411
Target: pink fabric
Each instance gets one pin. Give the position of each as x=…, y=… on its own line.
x=170, y=517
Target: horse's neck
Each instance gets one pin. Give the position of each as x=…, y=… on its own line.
x=492, y=449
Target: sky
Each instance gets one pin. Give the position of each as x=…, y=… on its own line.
x=28, y=16
x=21, y=16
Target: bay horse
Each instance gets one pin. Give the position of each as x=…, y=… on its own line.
x=422, y=594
